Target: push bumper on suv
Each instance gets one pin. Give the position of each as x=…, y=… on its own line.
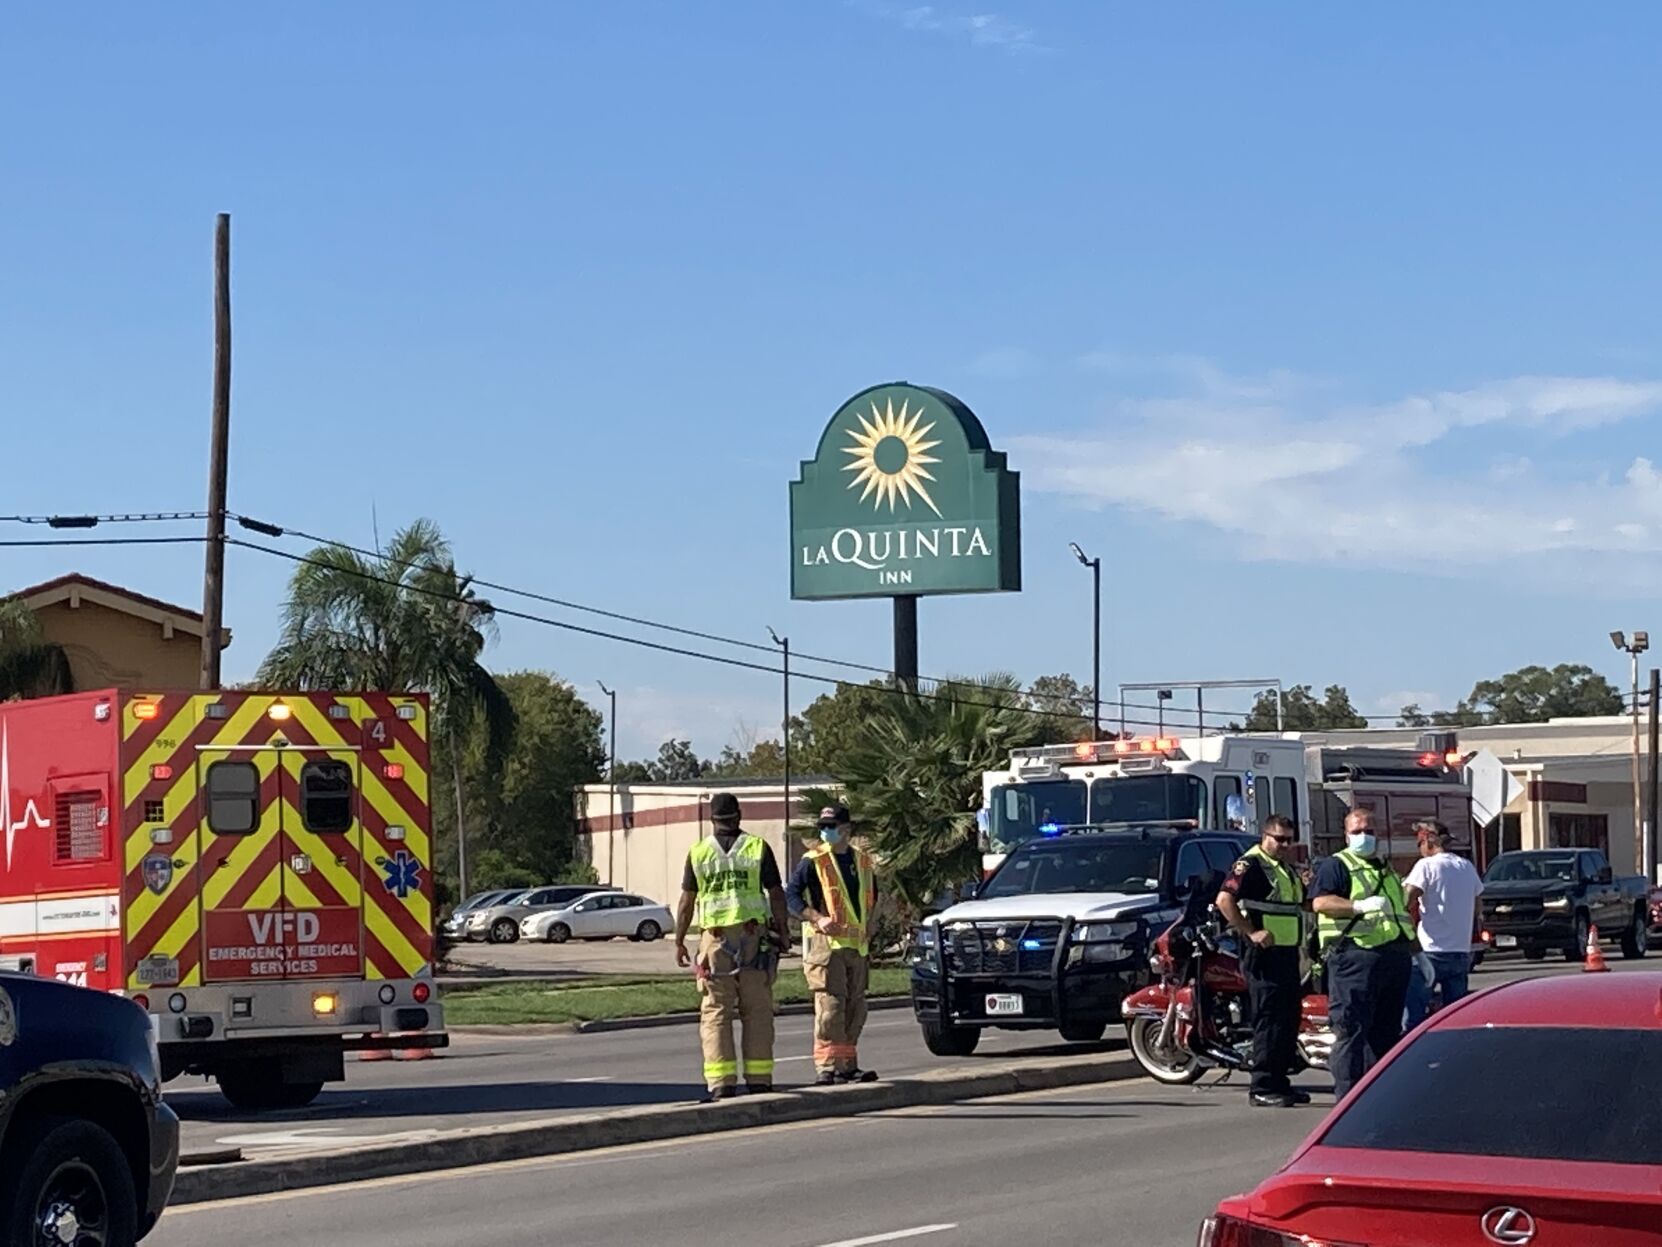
x=1025, y=974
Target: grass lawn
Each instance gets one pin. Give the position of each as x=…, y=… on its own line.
x=620, y=997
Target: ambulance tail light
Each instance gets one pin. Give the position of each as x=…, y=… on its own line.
x=421, y=993
x=393, y=770
x=161, y=771
x=146, y=709
x=142, y=1001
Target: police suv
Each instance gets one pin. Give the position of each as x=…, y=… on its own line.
x=1060, y=933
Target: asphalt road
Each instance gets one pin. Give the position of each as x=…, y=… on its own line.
x=496, y=1079
x=1125, y=1163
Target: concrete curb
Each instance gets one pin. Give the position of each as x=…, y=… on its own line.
x=459, y=1149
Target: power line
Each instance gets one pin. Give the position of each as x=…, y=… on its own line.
x=659, y=646
x=92, y=521
x=105, y=541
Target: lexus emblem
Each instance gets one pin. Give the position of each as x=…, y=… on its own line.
x=1512, y=1226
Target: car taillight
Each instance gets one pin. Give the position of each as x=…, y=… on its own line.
x=1222, y=1231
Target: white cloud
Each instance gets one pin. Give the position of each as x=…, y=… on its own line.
x=984, y=30
x=647, y=716
x=1286, y=477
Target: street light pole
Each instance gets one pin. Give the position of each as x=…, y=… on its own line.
x=611, y=783
x=1096, y=637
x=784, y=644
x=1638, y=645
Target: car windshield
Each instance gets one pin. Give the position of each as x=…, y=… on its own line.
x=1019, y=810
x=1532, y=868
x=1482, y=1092
x=1078, y=865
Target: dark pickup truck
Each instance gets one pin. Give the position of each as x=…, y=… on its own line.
x=87, y=1148
x=1060, y=934
x=1545, y=900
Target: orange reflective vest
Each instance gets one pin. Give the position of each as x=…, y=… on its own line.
x=850, y=913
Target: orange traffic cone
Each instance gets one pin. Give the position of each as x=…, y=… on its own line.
x=415, y=1054
x=374, y=1054
x=1595, y=958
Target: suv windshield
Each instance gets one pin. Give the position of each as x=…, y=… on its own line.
x=1078, y=864
x=1147, y=799
x=1492, y=1099
x=1019, y=810
x=1532, y=868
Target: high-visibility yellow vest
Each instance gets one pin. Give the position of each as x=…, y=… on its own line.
x=1283, y=913
x=1368, y=930
x=854, y=913
x=729, y=884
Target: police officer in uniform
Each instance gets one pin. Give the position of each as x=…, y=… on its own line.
x=732, y=888
x=1368, y=944
x=1263, y=902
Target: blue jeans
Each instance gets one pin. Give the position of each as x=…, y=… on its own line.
x=1450, y=973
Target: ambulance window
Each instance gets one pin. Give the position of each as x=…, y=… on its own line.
x=326, y=795
x=1286, y=798
x=233, y=798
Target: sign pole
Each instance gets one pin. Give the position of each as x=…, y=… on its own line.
x=906, y=641
x=213, y=572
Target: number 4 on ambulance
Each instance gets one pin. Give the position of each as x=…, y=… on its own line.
x=377, y=734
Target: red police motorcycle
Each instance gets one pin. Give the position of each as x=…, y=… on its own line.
x=1195, y=1017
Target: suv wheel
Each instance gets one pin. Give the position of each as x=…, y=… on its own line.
x=67, y=1181
x=1083, y=1031
x=506, y=931
x=1636, y=939
x=950, y=1040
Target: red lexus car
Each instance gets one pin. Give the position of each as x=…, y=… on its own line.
x=1529, y=1115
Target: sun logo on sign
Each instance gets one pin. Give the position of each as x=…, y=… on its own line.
x=891, y=457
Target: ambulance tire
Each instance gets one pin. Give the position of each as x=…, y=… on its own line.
x=58, y=1165
x=256, y=1089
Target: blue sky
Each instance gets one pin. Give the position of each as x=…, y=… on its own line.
x=1333, y=330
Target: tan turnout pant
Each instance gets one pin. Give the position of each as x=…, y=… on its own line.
x=744, y=998
x=838, y=979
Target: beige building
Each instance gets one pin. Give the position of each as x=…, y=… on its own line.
x=641, y=844
x=117, y=638
x=1572, y=781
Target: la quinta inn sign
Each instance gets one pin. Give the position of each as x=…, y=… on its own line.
x=904, y=497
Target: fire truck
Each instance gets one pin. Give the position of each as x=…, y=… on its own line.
x=1228, y=782
x=253, y=869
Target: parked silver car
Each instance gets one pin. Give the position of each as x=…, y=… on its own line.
x=499, y=923
x=600, y=916
x=455, y=926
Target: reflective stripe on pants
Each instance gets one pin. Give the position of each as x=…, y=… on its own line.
x=744, y=999
x=839, y=987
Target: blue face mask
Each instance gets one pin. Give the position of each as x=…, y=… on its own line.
x=832, y=835
x=1363, y=842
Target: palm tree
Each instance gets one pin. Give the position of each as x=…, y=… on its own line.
x=30, y=665
x=913, y=777
x=405, y=620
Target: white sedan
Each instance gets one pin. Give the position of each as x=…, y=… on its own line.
x=600, y=916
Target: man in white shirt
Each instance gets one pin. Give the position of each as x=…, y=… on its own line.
x=1447, y=888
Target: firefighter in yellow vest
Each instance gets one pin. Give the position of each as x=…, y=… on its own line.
x=1368, y=943
x=1262, y=899
x=834, y=892
x=731, y=889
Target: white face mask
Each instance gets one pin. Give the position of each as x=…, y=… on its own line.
x=1363, y=842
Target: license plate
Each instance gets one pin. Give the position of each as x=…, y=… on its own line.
x=1003, y=1006
x=1506, y=941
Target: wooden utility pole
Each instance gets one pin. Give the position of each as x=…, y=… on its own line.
x=213, y=574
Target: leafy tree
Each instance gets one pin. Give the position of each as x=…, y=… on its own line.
x=824, y=733
x=633, y=773
x=1302, y=712
x=30, y=665
x=677, y=761
x=1531, y=694
x=402, y=621
x=1066, y=706
x=913, y=773
x=760, y=760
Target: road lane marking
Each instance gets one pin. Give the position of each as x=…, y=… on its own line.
x=893, y=1236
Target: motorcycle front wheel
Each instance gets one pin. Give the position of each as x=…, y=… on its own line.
x=1171, y=1064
